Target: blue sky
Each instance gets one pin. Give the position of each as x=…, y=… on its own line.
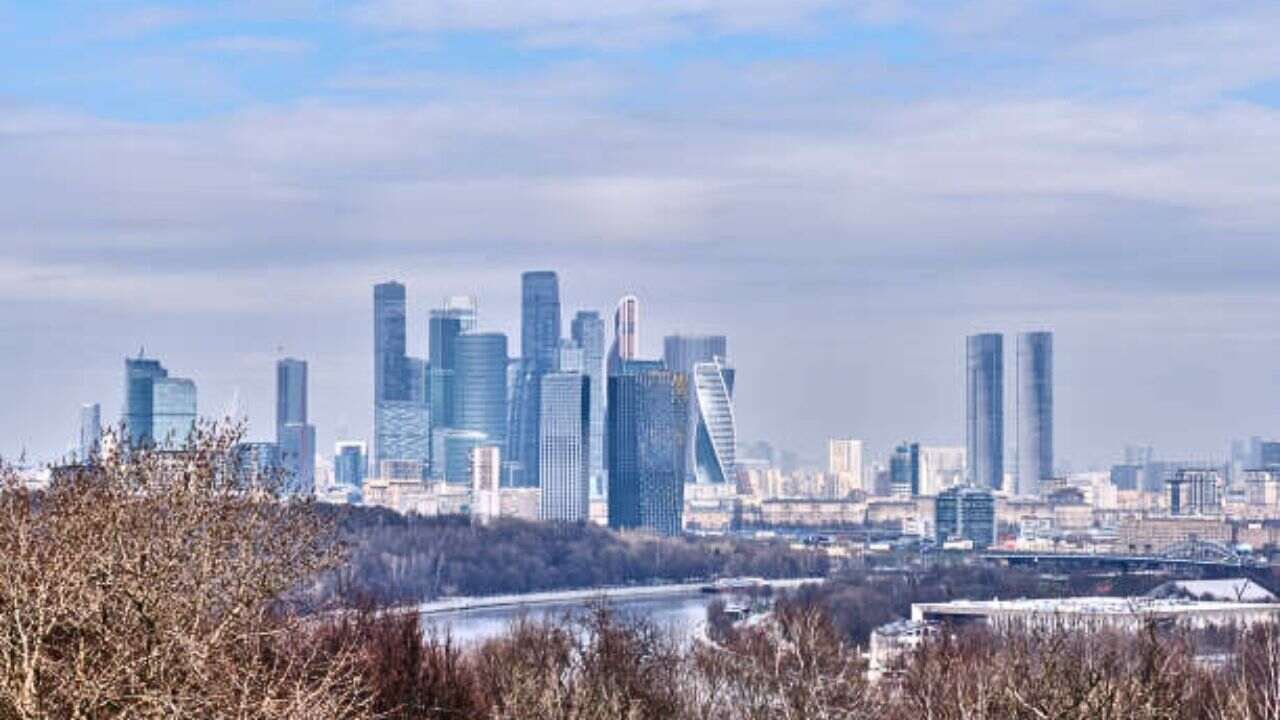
x=845, y=189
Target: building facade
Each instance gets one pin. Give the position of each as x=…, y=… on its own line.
x=90, y=436
x=966, y=513
x=587, y=331
x=401, y=417
x=1034, y=415
x=539, y=349
x=295, y=437
x=350, y=464
x=844, y=463
x=564, y=446
x=160, y=411
x=647, y=410
x=626, y=333
x=481, y=382
x=682, y=354
x=984, y=414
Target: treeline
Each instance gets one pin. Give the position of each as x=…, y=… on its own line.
x=601, y=667
x=394, y=558
x=859, y=600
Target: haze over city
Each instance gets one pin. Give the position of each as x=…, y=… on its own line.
x=845, y=192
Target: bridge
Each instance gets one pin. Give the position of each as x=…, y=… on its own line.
x=1195, y=554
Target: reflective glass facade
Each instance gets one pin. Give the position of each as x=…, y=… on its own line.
x=984, y=412
x=715, y=436
x=1034, y=416
x=564, y=446
x=588, y=334
x=647, y=412
x=966, y=513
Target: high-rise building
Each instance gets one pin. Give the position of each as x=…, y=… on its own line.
x=626, y=333
x=941, y=467
x=465, y=308
x=444, y=327
x=587, y=331
x=681, y=354
x=458, y=445
x=1034, y=416
x=258, y=462
x=159, y=410
x=1268, y=455
x=564, y=446
x=486, y=479
x=295, y=437
x=481, y=381
x=90, y=440
x=1195, y=491
x=350, y=462
x=844, y=462
x=540, y=352
x=966, y=513
x=647, y=409
x=401, y=416
x=984, y=416
x=904, y=471
x=715, y=431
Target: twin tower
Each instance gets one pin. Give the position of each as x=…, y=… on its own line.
x=1033, y=415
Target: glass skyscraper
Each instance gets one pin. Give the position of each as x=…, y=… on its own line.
x=90, y=440
x=295, y=437
x=626, y=333
x=1034, y=415
x=966, y=513
x=401, y=415
x=715, y=430
x=984, y=413
x=681, y=353
x=587, y=330
x=159, y=410
x=444, y=328
x=349, y=464
x=481, y=382
x=564, y=446
x=647, y=410
x=539, y=349
x=904, y=470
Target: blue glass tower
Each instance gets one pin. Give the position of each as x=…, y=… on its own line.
x=349, y=464
x=984, y=415
x=444, y=328
x=539, y=349
x=481, y=380
x=966, y=513
x=647, y=411
x=564, y=446
x=159, y=410
x=587, y=331
x=401, y=414
x=295, y=437
x=1034, y=416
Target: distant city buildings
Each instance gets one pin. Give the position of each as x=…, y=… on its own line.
x=481, y=385
x=904, y=471
x=159, y=411
x=1034, y=413
x=401, y=413
x=703, y=359
x=984, y=414
x=940, y=467
x=844, y=462
x=539, y=349
x=626, y=333
x=966, y=514
x=350, y=463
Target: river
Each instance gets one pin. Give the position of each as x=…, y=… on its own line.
x=682, y=615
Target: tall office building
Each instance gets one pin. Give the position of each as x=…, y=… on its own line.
x=466, y=309
x=350, y=462
x=715, y=429
x=681, y=354
x=90, y=440
x=647, y=410
x=295, y=437
x=457, y=447
x=940, y=468
x=401, y=414
x=160, y=411
x=904, y=471
x=966, y=513
x=444, y=327
x=844, y=462
x=984, y=415
x=1034, y=416
x=626, y=333
x=587, y=331
x=540, y=350
x=564, y=446
x=481, y=381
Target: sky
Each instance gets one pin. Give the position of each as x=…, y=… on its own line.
x=845, y=189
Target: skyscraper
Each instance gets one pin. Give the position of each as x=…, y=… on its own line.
x=444, y=327
x=481, y=382
x=350, y=461
x=984, y=415
x=681, y=354
x=715, y=430
x=159, y=410
x=626, y=333
x=1034, y=416
x=90, y=440
x=295, y=438
x=588, y=334
x=844, y=461
x=540, y=349
x=647, y=409
x=564, y=446
x=904, y=471
x=401, y=415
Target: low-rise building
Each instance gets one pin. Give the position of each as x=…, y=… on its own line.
x=1096, y=613
x=1156, y=534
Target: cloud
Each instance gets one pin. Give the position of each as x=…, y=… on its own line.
x=253, y=45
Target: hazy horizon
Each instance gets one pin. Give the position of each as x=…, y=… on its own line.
x=844, y=190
